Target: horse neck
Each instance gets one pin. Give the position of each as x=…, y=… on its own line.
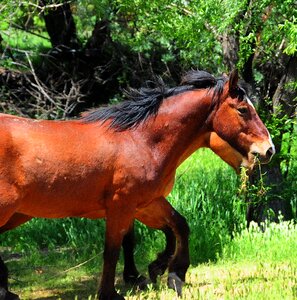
x=179, y=127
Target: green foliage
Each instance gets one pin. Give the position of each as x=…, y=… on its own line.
x=22, y=29
x=72, y=232
x=189, y=32
x=176, y=26
x=290, y=30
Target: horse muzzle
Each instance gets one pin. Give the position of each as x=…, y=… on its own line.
x=258, y=154
x=262, y=155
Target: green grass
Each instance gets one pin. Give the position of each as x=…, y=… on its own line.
x=227, y=261
x=254, y=265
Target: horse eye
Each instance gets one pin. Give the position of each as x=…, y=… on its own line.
x=242, y=110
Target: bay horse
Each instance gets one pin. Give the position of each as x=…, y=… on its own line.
x=119, y=163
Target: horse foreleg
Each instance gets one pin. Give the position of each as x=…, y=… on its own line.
x=118, y=222
x=160, y=214
x=130, y=273
x=159, y=266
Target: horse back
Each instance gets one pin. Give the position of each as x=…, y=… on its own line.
x=58, y=168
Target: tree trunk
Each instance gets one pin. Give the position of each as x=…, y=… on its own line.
x=60, y=25
x=230, y=46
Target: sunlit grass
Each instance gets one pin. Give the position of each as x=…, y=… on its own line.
x=255, y=265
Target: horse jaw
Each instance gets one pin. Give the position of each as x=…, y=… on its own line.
x=226, y=152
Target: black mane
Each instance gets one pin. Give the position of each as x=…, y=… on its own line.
x=145, y=102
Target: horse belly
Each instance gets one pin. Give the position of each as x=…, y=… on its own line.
x=63, y=201
x=59, y=208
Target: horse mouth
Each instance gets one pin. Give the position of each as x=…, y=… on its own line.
x=248, y=163
x=255, y=159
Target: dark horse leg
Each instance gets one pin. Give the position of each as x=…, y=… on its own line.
x=159, y=214
x=13, y=222
x=3, y=280
x=4, y=293
x=159, y=266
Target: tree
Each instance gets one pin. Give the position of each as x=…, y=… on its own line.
x=258, y=46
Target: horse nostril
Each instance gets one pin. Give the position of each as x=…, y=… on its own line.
x=270, y=152
x=264, y=158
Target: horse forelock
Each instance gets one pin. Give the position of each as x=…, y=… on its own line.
x=142, y=103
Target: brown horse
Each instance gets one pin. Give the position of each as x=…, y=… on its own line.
x=119, y=163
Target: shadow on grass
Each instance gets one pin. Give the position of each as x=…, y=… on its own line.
x=58, y=275
x=78, y=288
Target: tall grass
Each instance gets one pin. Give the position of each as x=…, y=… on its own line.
x=278, y=243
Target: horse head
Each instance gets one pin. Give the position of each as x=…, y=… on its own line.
x=238, y=135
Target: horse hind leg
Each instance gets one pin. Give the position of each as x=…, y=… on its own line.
x=159, y=214
x=3, y=279
x=9, y=198
x=4, y=293
x=8, y=204
x=15, y=220
x=159, y=266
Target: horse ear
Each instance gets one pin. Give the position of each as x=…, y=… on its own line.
x=233, y=80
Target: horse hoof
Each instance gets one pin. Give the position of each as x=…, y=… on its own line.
x=118, y=297
x=175, y=283
x=142, y=282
